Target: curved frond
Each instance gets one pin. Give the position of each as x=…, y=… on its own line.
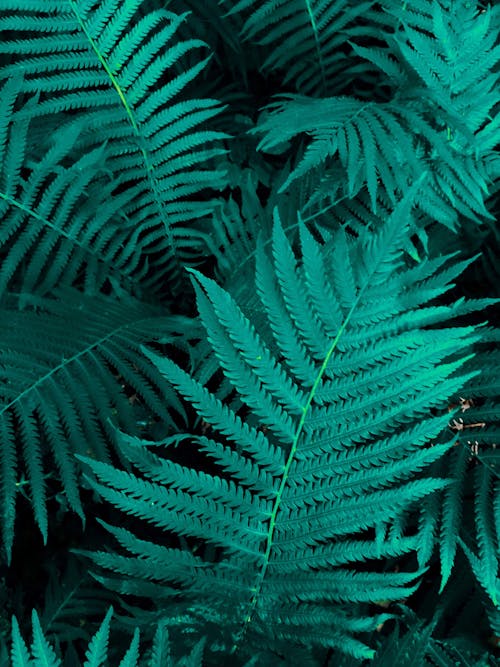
x=63, y=366
x=378, y=146
x=336, y=443
x=305, y=40
x=121, y=69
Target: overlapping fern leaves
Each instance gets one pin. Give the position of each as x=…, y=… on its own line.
x=304, y=40
x=62, y=220
x=326, y=473
x=96, y=171
x=475, y=527
x=64, y=363
x=327, y=444
x=416, y=647
x=42, y=654
x=121, y=69
x=445, y=128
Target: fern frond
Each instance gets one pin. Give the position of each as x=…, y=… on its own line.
x=377, y=145
x=43, y=653
x=418, y=648
x=61, y=217
x=452, y=506
x=475, y=462
x=69, y=594
x=20, y=655
x=120, y=69
x=454, y=52
x=98, y=652
x=305, y=39
x=342, y=424
x=341, y=411
x=64, y=363
x=98, y=647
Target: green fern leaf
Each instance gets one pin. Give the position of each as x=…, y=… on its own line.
x=43, y=653
x=131, y=657
x=160, y=656
x=377, y=145
x=20, y=656
x=306, y=37
x=474, y=460
x=97, y=651
x=60, y=218
x=300, y=495
x=62, y=374
x=122, y=69
x=451, y=514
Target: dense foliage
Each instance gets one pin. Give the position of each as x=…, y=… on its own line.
x=249, y=360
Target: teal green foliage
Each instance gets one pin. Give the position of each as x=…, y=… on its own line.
x=42, y=653
x=63, y=365
x=103, y=63
x=339, y=441
x=449, y=132
x=416, y=647
x=304, y=39
x=249, y=344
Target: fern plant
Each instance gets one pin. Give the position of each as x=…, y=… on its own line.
x=388, y=144
x=476, y=528
x=318, y=458
x=310, y=474
x=64, y=363
x=416, y=648
x=117, y=67
x=62, y=219
x=42, y=654
x=306, y=38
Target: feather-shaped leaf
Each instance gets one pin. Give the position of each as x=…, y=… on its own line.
x=343, y=448
x=64, y=365
x=122, y=68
